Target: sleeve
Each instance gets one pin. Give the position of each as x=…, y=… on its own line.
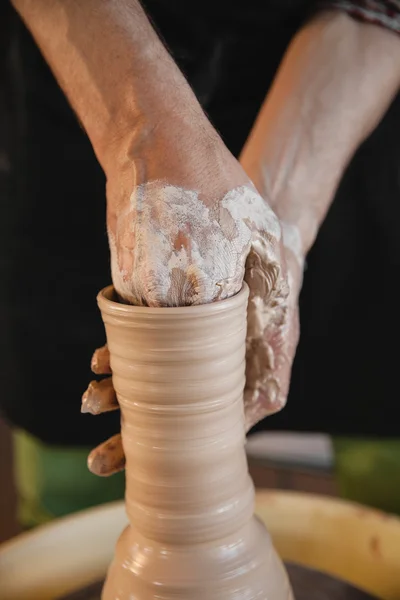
x=385, y=13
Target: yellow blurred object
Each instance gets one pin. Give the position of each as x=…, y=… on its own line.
x=349, y=541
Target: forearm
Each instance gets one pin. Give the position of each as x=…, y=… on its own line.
x=333, y=87
x=117, y=75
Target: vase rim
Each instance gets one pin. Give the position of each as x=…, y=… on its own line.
x=108, y=304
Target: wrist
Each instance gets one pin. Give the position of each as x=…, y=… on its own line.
x=158, y=144
x=161, y=117
x=304, y=200
x=299, y=191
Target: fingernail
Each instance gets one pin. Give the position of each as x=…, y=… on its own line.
x=100, y=397
x=108, y=458
x=100, y=364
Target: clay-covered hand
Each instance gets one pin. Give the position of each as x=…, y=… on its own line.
x=272, y=331
x=186, y=226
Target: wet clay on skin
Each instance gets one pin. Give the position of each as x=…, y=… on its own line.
x=179, y=376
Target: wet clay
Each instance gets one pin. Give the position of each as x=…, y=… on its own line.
x=179, y=376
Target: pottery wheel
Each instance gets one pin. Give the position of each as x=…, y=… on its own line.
x=306, y=583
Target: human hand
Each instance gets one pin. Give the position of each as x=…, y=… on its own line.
x=272, y=329
x=186, y=227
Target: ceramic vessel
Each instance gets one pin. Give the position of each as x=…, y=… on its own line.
x=179, y=375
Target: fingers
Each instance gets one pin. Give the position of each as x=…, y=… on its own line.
x=100, y=397
x=262, y=402
x=267, y=381
x=108, y=458
x=272, y=331
x=101, y=361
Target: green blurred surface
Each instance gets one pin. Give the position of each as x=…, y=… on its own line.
x=54, y=481
x=368, y=471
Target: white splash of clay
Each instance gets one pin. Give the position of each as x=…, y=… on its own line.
x=170, y=249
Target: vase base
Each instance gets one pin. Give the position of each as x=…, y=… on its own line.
x=306, y=584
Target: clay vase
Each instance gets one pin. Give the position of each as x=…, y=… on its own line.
x=179, y=375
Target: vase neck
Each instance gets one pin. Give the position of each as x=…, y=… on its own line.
x=186, y=470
